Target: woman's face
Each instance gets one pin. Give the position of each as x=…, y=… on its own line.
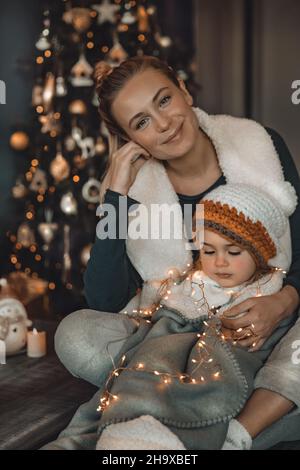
x=151, y=110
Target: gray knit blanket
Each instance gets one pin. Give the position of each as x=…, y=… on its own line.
x=216, y=381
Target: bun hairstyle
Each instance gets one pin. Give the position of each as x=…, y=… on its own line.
x=102, y=70
x=109, y=82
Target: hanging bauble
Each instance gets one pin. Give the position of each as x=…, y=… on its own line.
x=151, y=10
x=77, y=107
x=81, y=73
x=25, y=235
x=50, y=123
x=67, y=261
x=100, y=147
x=68, y=15
x=49, y=92
x=59, y=168
x=87, y=144
x=19, y=190
x=47, y=232
x=42, y=44
x=117, y=53
x=86, y=254
x=68, y=204
x=61, y=87
x=81, y=19
x=69, y=143
x=19, y=140
x=47, y=229
x=79, y=162
x=143, y=20
x=128, y=18
x=77, y=134
x=163, y=41
x=37, y=95
x=91, y=190
x=106, y=12
x=39, y=181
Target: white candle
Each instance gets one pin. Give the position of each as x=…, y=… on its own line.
x=36, y=343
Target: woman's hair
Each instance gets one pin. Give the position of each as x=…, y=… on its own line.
x=109, y=82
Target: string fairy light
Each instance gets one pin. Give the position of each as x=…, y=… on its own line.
x=212, y=329
x=203, y=359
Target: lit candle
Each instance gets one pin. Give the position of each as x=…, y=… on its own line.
x=36, y=343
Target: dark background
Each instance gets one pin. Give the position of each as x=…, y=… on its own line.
x=20, y=26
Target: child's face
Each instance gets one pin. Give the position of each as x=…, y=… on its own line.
x=224, y=262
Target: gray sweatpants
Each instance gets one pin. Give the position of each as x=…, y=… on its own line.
x=281, y=372
x=87, y=341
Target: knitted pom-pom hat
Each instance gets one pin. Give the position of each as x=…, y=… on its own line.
x=251, y=218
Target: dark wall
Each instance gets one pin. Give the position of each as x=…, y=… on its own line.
x=176, y=19
x=19, y=26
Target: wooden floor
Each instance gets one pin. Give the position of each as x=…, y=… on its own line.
x=38, y=397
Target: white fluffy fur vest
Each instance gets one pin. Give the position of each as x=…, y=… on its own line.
x=198, y=294
x=246, y=154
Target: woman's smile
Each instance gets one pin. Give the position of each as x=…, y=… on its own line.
x=175, y=135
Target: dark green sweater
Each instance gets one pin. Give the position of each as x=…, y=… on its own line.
x=110, y=279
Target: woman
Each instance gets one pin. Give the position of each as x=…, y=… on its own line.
x=149, y=113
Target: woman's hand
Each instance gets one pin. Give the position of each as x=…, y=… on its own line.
x=125, y=165
x=261, y=317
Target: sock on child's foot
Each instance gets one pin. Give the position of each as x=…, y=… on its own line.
x=237, y=437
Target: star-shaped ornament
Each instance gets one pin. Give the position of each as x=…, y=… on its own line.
x=106, y=12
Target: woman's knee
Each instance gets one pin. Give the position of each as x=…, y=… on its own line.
x=68, y=336
x=86, y=340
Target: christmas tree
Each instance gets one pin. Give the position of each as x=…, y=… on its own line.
x=66, y=144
